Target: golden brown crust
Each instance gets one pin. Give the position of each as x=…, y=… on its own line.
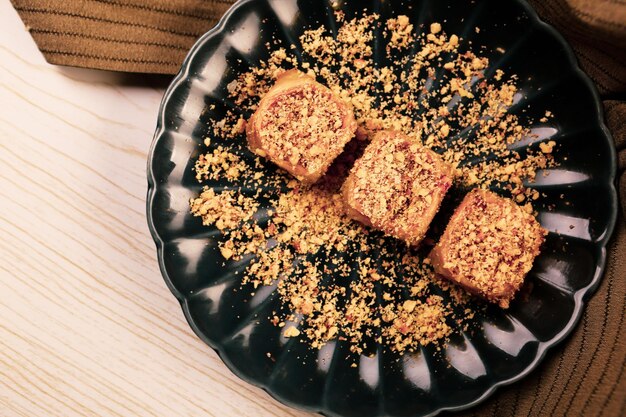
x=488, y=246
x=301, y=126
x=347, y=195
x=397, y=186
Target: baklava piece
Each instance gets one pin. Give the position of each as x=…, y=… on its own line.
x=397, y=186
x=301, y=126
x=488, y=247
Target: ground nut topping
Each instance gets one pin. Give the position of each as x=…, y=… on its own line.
x=336, y=278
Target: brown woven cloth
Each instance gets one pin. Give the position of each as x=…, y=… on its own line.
x=121, y=35
x=583, y=376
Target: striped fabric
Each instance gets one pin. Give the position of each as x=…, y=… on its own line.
x=584, y=376
x=122, y=35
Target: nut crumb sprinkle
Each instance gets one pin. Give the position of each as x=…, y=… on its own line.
x=337, y=279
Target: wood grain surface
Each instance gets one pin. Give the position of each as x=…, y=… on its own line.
x=87, y=324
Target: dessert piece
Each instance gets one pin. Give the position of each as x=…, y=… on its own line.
x=301, y=126
x=397, y=186
x=488, y=247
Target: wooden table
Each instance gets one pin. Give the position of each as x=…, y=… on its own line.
x=87, y=324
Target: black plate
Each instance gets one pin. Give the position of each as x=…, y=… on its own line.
x=509, y=343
